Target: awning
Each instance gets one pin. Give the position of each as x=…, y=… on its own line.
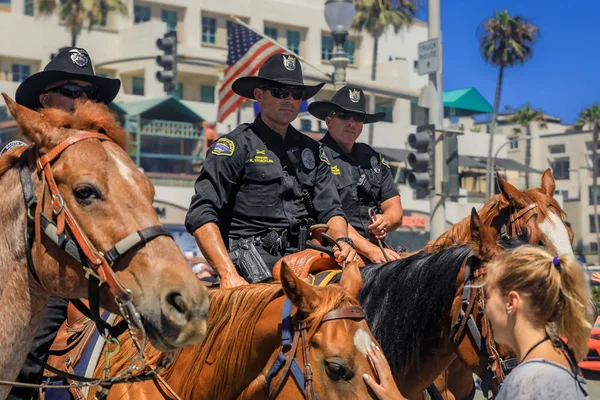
x=468, y=99
x=165, y=108
x=512, y=165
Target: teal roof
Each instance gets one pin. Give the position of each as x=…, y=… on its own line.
x=468, y=99
x=166, y=108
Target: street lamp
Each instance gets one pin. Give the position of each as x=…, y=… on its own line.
x=339, y=15
x=493, y=165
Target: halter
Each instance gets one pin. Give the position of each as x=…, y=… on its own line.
x=302, y=377
x=76, y=244
x=514, y=217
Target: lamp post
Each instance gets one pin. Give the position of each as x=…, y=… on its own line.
x=493, y=164
x=339, y=15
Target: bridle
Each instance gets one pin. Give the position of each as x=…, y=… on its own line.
x=291, y=334
x=98, y=265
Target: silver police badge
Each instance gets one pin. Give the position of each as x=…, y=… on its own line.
x=354, y=95
x=375, y=164
x=289, y=62
x=308, y=159
x=79, y=57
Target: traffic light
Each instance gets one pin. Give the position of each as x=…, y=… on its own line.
x=168, y=61
x=451, y=158
x=422, y=160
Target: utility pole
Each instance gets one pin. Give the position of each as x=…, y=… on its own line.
x=437, y=210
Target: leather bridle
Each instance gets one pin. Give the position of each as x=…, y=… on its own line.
x=291, y=334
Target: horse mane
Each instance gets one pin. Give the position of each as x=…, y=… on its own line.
x=407, y=303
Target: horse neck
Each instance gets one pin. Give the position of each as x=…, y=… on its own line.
x=22, y=299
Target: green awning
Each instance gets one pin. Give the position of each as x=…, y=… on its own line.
x=164, y=108
x=468, y=99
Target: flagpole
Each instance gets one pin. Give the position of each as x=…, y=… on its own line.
x=239, y=21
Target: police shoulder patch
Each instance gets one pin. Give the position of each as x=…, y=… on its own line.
x=223, y=147
x=384, y=161
x=323, y=156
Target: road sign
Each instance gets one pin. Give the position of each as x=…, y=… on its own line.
x=428, y=57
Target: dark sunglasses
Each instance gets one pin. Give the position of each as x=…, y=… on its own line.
x=346, y=115
x=283, y=93
x=74, y=91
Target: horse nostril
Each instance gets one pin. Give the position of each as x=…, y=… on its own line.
x=176, y=300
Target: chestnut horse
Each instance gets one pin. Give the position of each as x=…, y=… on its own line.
x=244, y=339
x=90, y=196
x=508, y=213
x=413, y=307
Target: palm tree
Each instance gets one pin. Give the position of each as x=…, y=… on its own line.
x=590, y=117
x=524, y=117
x=77, y=13
x=505, y=41
x=374, y=16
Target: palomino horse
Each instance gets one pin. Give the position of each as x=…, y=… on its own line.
x=413, y=307
x=245, y=337
x=89, y=196
x=509, y=213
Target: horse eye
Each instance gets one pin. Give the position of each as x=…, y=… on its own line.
x=337, y=371
x=84, y=194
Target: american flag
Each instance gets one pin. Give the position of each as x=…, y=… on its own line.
x=247, y=52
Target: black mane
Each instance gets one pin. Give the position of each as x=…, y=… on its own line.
x=407, y=303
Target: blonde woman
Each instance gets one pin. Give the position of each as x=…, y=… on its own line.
x=533, y=300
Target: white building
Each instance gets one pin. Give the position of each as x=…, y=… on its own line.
x=124, y=47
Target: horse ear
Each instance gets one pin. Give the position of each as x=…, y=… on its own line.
x=548, y=184
x=298, y=291
x=511, y=193
x=480, y=235
x=351, y=279
x=30, y=122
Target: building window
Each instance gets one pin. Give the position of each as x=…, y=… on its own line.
x=349, y=47
x=592, y=224
x=388, y=109
x=28, y=7
x=207, y=94
x=305, y=125
x=416, y=66
x=594, y=247
x=514, y=143
x=326, y=47
x=563, y=193
x=560, y=168
x=170, y=18
x=141, y=14
x=179, y=91
x=20, y=72
x=590, y=146
x=418, y=115
x=209, y=30
x=138, y=85
x=229, y=28
x=271, y=32
x=557, y=148
x=293, y=41
x=590, y=196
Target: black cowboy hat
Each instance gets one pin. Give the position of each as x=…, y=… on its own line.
x=71, y=63
x=278, y=70
x=347, y=99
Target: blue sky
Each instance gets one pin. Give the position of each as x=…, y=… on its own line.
x=561, y=78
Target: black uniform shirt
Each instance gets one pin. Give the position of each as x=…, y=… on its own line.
x=348, y=170
x=249, y=184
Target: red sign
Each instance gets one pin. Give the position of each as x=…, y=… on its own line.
x=413, y=222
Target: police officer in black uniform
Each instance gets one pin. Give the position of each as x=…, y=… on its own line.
x=362, y=176
x=264, y=184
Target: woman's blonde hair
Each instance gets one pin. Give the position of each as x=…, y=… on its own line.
x=559, y=294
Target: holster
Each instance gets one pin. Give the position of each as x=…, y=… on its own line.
x=248, y=262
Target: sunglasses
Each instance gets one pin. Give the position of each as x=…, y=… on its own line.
x=345, y=116
x=283, y=93
x=75, y=91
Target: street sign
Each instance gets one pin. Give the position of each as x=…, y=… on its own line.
x=428, y=57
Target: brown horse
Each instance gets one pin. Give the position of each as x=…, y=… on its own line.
x=534, y=210
x=244, y=338
x=90, y=196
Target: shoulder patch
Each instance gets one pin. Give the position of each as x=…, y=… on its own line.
x=223, y=147
x=335, y=170
x=383, y=161
x=323, y=156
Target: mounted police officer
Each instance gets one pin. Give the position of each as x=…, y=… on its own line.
x=264, y=184
x=362, y=176
x=69, y=77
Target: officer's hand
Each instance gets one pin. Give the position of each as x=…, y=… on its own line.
x=376, y=256
x=232, y=280
x=379, y=226
x=347, y=253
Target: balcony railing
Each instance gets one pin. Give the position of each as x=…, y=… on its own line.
x=170, y=128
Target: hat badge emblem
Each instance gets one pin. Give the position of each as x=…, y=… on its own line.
x=354, y=95
x=79, y=57
x=289, y=62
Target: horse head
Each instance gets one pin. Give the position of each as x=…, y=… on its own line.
x=338, y=335
x=91, y=195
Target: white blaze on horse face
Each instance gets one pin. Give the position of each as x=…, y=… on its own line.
x=124, y=170
x=362, y=340
x=556, y=231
